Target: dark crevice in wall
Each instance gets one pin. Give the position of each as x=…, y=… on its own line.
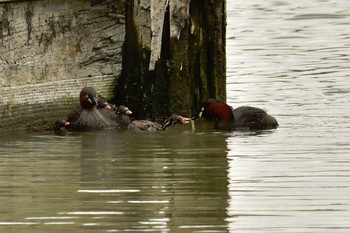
x=160, y=94
x=29, y=12
x=134, y=86
x=4, y=24
x=207, y=50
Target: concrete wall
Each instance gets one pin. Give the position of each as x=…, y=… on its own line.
x=49, y=50
x=157, y=57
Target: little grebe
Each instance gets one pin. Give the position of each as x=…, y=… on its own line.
x=124, y=120
x=244, y=117
x=103, y=106
x=108, y=110
x=89, y=117
x=102, y=103
x=58, y=125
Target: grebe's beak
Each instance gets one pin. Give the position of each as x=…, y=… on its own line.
x=92, y=100
x=185, y=120
x=107, y=106
x=198, y=115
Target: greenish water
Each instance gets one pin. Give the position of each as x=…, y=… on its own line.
x=114, y=181
x=288, y=57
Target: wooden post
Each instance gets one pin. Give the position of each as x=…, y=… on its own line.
x=174, y=56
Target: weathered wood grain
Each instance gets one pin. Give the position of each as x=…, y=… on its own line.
x=49, y=50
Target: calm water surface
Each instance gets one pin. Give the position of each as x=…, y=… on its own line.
x=289, y=57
